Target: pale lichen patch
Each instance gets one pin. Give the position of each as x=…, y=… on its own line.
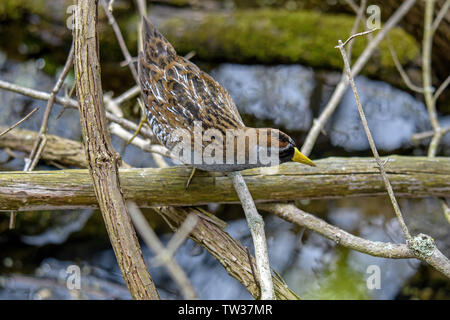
x=422, y=244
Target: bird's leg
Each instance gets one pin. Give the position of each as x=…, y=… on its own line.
x=190, y=178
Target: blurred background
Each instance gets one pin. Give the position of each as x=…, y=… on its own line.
x=277, y=60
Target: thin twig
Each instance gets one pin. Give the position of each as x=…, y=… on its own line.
x=430, y=99
x=371, y=141
x=20, y=121
x=428, y=134
x=400, y=69
x=12, y=219
x=127, y=95
x=111, y=6
x=123, y=46
x=256, y=225
x=144, y=145
x=176, y=241
x=41, y=95
x=152, y=241
x=359, y=16
x=342, y=85
x=353, y=5
x=39, y=144
x=441, y=89
x=68, y=95
x=440, y=15
x=141, y=122
x=422, y=245
x=142, y=8
x=358, y=35
x=30, y=163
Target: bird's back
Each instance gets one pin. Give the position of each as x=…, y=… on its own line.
x=178, y=94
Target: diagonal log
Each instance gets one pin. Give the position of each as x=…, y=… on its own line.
x=101, y=156
x=57, y=150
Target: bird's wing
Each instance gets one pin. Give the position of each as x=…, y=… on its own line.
x=177, y=93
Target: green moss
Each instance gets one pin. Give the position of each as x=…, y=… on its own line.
x=341, y=282
x=178, y=3
x=319, y=5
x=278, y=36
x=14, y=9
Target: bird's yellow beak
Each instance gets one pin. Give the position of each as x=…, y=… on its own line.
x=301, y=158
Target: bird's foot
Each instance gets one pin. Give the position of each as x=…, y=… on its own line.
x=188, y=182
x=191, y=176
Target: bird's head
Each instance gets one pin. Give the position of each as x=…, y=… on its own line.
x=287, y=148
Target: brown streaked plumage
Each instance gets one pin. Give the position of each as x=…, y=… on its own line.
x=178, y=95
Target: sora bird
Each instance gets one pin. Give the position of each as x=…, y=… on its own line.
x=194, y=116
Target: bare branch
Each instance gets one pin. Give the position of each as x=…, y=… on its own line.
x=41, y=140
x=294, y=215
x=359, y=16
x=358, y=35
x=41, y=95
x=210, y=234
x=58, y=151
x=371, y=141
x=152, y=241
x=256, y=224
x=430, y=99
x=342, y=85
x=427, y=134
x=127, y=95
x=353, y=5
x=422, y=245
x=400, y=69
x=118, y=33
x=19, y=122
x=440, y=15
x=441, y=88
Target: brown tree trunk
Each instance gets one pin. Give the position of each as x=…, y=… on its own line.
x=101, y=156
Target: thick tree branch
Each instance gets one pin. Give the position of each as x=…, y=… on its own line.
x=332, y=178
x=375, y=248
x=102, y=158
x=209, y=233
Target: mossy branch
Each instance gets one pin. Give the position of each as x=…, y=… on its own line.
x=332, y=178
